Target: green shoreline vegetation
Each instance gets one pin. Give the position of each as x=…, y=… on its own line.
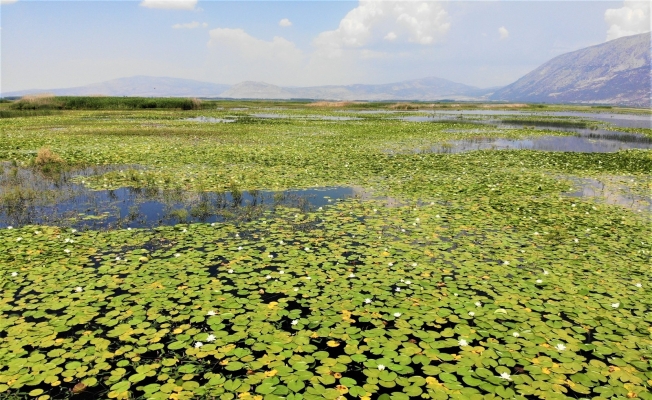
x=485, y=282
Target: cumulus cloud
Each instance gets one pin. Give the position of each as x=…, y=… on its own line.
x=503, y=32
x=170, y=4
x=414, y=21
x=632, y=18
x=284, y=23
x=190, y=25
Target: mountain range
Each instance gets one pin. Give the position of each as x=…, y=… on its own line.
x=615, y=72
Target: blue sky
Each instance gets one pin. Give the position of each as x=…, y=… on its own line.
x=53, y=44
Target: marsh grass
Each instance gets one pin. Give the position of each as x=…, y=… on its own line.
x=50, y=102
x=547, y=123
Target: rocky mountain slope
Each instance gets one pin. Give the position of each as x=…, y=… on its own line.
x=615, y=72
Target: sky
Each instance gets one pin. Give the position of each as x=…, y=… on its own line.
x=57, y=44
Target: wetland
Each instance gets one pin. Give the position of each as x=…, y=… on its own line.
x=282, y=250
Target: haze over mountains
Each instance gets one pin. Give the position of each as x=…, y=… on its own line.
x=615, y=72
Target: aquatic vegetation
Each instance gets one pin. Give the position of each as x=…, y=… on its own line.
x=484, y=280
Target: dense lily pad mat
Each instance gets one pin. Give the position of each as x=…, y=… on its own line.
x=548, y=300
x=489, y=283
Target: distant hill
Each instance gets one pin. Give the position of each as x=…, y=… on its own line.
x=615, y=72
x=147, y=86
x=144, y=86
x=418, y=89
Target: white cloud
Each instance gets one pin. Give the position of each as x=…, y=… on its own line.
x=7, y=1
x=190, y=25
x=170, y=4
x=284, y=23
x=390, y=36
x=503, y=32
x=414, y=21
x=632, y=18
x=240, y=56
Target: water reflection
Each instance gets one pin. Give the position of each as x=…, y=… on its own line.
x=28, y=196
x=209, y=120
x=610, y=190
x=620, y=120
x=591, y=143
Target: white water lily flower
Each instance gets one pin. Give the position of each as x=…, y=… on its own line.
x=351, y=275
x=73, y=230
x=210, y=313
x=536, y=233
x=478, y=304
x=268, y=277
x=615, y=305
x=402, y=230
x=397, y=314
x=306, y=248
x=281, y=242
x=560, y=347
x=67, y=250
x=212, y=223
x=14, y=274
x=296, y=289
x=320, y=209
x=381, y=367
x=638, y=285
x=417, y=219
x=177, y=254
x=390, y=264
x=18, y=239
x=463, y=343
x=401, y=280
x=230, y=271
x=471, y=313
x=128, y=229
x=398, y=289
x=295, y=321
x=210, y=338
x=78, y=289
x=505, y=262
x=375, y=210
x=239, y=247
x=455, y=294
x=516, y=334
x=576, y=240
x=539, y=281
x=10, y=227
x=408, y=282
x=270, y=256
x=237, y=235
x=281, y=272
x=414, y=264
x=198, y=345
x=505, y=375
x=545, y=272
x=37, y=232
x=308, y=278
x=368, y=301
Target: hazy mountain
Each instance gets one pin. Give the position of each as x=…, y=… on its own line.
x=145, y=86
x=419, y=89
x=615, y=72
